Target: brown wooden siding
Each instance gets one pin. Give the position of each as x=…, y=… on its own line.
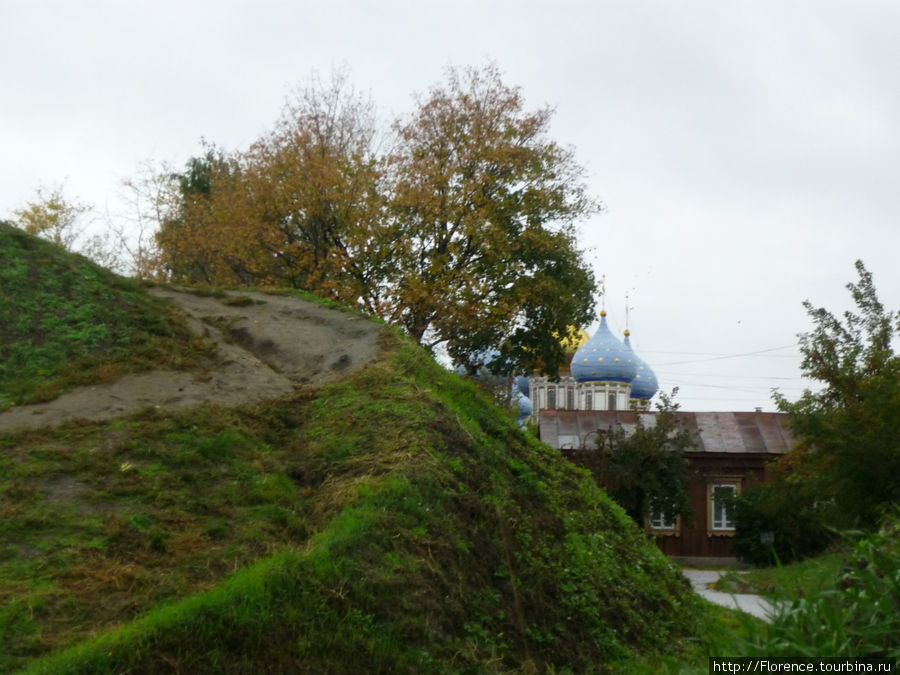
x=737, y=446
x=694, y=537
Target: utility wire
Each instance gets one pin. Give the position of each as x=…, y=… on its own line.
x=730, y=356
x=666, y=351
x=741, y=377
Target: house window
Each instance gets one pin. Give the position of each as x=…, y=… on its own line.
x=551, y=398
x=720, y=506
x=659, y=520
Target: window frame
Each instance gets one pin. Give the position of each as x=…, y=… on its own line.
x=723, y=528
x=672, y=527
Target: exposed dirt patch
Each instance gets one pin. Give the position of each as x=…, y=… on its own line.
x=268, y=345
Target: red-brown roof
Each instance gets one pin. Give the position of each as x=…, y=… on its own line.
x=748, y=432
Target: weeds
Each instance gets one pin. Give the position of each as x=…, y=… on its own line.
x=857, y=615
x=66, y=322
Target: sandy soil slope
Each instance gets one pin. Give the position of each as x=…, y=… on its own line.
x=268, y=347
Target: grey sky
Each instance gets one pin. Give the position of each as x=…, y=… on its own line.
x=747, y=152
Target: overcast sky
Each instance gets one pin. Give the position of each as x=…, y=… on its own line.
x=747, y=152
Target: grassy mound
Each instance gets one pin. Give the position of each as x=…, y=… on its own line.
x=401, y=523
x=65, y=322
x=393, y=522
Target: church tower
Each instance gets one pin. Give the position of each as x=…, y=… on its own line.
x=603, y=373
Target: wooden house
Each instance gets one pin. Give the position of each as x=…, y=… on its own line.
x=731, y=449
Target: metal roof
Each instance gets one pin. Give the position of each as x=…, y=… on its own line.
x=735, y=432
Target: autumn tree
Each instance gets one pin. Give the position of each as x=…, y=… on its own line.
x=486, y=203
x=462, y=232
x=123, y=242
x=54, y=217
x=66, y=222
x=147, y=200
x=210, y=236
x=300, y=208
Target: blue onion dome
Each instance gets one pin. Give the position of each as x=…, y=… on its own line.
x=522, y=384
x=604, y=358
x=525, y=405
x=644, y=384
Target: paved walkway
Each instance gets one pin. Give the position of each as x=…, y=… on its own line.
x=751, y=604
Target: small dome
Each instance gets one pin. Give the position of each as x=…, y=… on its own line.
x=525, y=405
x=522, y=384
x=644, y=384
x=604, y=358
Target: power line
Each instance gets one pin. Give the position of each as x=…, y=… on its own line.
x=732, y=356
x=742, y=377
x=755, y=400
x=665, y=351
x=750, y=389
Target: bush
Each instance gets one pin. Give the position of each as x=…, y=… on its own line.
x=859, y=617
x=779, y=522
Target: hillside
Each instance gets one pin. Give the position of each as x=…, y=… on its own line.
x=65, y=322
x=387, y=518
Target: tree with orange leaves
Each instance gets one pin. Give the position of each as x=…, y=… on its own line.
x=298, y=209
x=463, y=234
x=486, y=203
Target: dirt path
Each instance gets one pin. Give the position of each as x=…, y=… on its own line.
x=269, y=345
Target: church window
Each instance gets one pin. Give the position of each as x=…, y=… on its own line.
x=570, y=399
x=551, y=398
x=612, y=401
x=588, y=401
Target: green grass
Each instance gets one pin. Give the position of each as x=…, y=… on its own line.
x=720, y=632
x=66, y=322
x=395, y=519
x=839, y=605
x=843, y=604
x=99, y=523
x=804, y=578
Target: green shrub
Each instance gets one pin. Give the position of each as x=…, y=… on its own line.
x=779, y=522
x=858, y=616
